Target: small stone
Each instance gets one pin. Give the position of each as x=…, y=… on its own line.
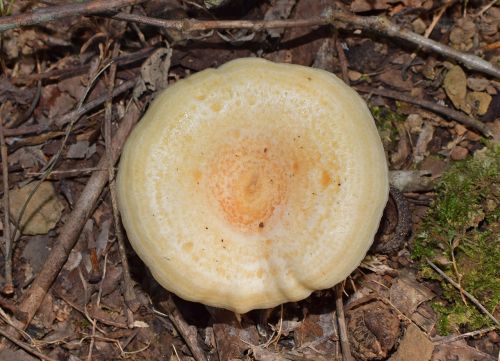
x=459, y=153
x=491, y=90
x=419, y=26
x=472, y=136
x=354, y=75
x=460, y=129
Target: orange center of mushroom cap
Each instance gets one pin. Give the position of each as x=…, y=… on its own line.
x=249, y=181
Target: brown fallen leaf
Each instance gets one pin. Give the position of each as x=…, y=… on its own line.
x=414, y=346
x=455, y=86
x=406, y=294
x=478, y=102
x=43, y=211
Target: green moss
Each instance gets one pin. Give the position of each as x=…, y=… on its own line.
x=386, y=121
x=6, y=7
x=463, y=225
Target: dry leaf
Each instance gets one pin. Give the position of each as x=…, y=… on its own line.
x=455, y=86
x=154, y=72
x=43, y=210
x=423, y=141
x=279, y=10
x=415, y=346
x=407, y=294
x=478, y=102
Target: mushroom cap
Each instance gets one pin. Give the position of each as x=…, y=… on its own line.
x=253, y=184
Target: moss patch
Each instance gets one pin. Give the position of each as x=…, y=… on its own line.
x=386, y=121
x=461, y=234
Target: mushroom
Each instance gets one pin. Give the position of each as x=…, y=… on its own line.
x=253, y=184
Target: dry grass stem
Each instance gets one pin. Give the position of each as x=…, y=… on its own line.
x=467, y=294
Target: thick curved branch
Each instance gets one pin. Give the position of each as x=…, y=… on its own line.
x=52, y=13
x=369, y=23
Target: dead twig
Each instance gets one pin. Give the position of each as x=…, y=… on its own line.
x=91, y=105
x=385, y=27
x=56, y=74
x=62, y=174
x=441, y=340
x=342, y=59
x=70, y=232
x=96, y=102
x=8, y=287
x=188, y=25
x=102, y=320
x=188, y=333
x=26, y=347
x=473, y=299
x=129, y=294
x=370, y=23
x=52, y=13
x=428, y=31
x=344, y=339
x=439, y=109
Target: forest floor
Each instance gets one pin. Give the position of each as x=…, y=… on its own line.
x=69, y=293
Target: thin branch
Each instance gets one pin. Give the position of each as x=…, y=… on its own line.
x=440, y=109
x=102, y=320
x=452, y=338
x=435, y=19
x=26, y=347
x=95, y=103
x=8, y=288
x=473, y=299
x=384, y=26
x=52, y=13
x=71, y=230
x=129, y=294
x=187, y=332
x=40, y=128
x=63, y=174
x=188, y=25
x=56, y=74
x=369, y=23
x=344, y=339
x=342, y=58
